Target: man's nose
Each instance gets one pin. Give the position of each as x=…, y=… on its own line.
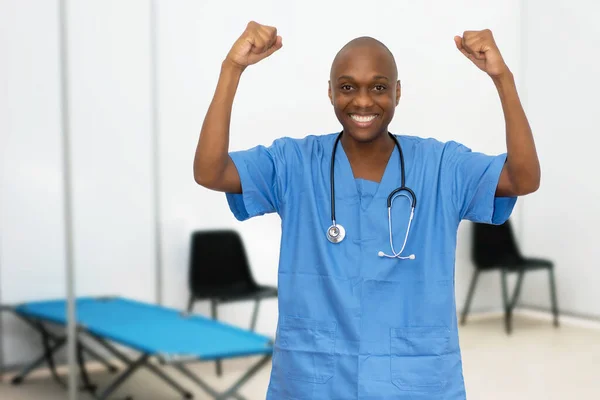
x=363, y=99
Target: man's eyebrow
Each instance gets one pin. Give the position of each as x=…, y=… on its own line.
x=376, y=77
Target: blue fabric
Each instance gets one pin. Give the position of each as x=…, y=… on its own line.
x=366, y=190
x=153, y=329
x=353, y=325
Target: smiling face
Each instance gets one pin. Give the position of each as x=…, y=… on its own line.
x=364, y=89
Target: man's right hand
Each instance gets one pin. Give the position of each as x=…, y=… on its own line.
x=256, y=43
x=213, y=167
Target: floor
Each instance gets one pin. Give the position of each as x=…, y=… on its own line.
x=537, y=361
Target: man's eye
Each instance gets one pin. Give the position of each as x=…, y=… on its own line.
x=379, y=88
x=346, y=87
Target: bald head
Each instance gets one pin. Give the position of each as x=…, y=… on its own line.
x=365, y=46
x=364, y=89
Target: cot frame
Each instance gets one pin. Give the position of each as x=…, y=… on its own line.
x=53, y=342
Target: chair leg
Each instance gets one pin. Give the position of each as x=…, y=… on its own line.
x=254, y=315
x=505, y=301
x=469, y=297
x=517, y=291
x=191, y=304
x=553, y=296
x=213, y=311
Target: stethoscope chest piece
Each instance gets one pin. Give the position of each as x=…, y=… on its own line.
x=336, y=233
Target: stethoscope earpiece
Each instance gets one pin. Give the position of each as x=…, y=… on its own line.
x=382, y=254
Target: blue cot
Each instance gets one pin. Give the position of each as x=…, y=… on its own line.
x=169, y=335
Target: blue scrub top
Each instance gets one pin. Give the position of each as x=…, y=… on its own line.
x=353, y=325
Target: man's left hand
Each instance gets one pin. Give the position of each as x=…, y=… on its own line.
x=480, y=47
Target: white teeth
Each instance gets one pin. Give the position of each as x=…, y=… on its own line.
x=363, y=118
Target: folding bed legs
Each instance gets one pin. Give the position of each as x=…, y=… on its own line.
x=232, y=391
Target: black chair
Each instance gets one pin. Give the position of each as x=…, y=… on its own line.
x=494, y=248
x=219, y=272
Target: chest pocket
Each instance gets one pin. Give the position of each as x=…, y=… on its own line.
x=306, y=349
x=419, y=358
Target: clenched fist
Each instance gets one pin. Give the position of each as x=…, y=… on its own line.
x=480, y=47
x=256, y=43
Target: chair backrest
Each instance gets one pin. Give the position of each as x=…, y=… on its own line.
x=494, y=245
x=218, y=263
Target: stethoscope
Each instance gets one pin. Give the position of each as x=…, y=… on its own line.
x=336, y=233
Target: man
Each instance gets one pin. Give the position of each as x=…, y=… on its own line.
x=359, y=319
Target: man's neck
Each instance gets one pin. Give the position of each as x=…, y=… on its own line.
x=368, y=159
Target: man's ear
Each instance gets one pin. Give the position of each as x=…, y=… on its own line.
x=398, y=92
x=329, y=92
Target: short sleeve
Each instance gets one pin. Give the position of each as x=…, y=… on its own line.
x=259, y=169
x=473, y=178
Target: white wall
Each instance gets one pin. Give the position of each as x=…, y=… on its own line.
x=444, y=96
x=111, y=156
x=31, y=204
x=111, y=147
x=561, y=219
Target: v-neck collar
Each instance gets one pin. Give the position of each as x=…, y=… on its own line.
x=345, y=182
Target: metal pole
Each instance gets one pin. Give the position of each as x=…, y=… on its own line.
x=155, y=150
x=70, y=270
